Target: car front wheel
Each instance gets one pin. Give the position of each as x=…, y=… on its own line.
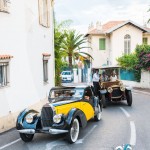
x=73, y=131
x=26, y=137
x=99, y=115
x=129, y=98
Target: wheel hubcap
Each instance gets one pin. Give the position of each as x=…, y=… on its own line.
x=75, y=130
x=99, y=113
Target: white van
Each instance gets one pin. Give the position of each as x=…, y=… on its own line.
x=67, y=76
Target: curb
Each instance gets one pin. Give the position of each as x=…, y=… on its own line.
x=138, y=91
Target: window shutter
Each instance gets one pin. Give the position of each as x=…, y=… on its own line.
x=144, y=40
x=40, y=11
x=102, y=44
x=48, y=13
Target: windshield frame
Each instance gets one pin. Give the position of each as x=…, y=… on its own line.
x=61, y=94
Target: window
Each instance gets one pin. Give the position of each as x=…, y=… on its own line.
x=145, y=40
x=45, y=70
x=127, y=44
x=4, y=6
x=44, y=13
x=4, y=78
x=45, y=66
x=102, y=44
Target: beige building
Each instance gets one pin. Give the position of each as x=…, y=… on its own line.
x=113, y=39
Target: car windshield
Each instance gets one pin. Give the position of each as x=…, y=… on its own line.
x=66, y=94
x=66, y=73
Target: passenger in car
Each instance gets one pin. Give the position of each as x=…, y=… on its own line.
x=113, y=77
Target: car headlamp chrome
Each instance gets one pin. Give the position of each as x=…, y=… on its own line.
x=122, y=88
x=30, y=117
x=120, y=83
x=109, y=89
x=57, y=118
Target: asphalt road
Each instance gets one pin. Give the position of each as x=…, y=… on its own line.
x=120, y=124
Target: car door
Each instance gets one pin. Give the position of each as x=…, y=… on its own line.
x=87, y=104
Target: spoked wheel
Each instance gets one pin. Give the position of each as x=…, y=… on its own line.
x=74, y=131
x=103, y=101
x=99, y=115
x=26, y=137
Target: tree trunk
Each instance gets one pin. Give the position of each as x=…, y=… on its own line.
x=70, y=61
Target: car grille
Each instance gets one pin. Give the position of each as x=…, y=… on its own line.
x=47, y=116
x=116, y=93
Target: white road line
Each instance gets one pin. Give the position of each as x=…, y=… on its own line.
x=10, y=144
x=125, y=112
x=133, y=133
x=88, y=134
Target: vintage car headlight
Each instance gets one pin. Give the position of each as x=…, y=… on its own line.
x=109, y=89
x=30, y=117
x=120, y=83
x=122, y=88
x=57, y=118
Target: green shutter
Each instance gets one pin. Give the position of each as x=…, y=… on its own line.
x=144, y=40
x=102, y=44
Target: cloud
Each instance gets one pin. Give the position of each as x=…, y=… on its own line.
x=83, y=12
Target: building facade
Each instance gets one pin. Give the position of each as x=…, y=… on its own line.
x=26, y=56
x=113, y=39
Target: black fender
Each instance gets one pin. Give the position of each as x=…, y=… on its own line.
x=76, y=113
x=21, y=122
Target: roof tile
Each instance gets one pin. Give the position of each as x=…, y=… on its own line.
x=5, y=56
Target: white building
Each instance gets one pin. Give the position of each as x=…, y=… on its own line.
x=26, y=56
x=111, y=40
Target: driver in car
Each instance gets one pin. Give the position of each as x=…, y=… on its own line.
x=104, y=77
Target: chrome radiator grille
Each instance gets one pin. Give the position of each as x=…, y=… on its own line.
x=116, y=93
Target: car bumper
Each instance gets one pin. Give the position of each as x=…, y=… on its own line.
x=50, y=130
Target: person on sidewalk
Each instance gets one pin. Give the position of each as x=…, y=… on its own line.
x=96, y=82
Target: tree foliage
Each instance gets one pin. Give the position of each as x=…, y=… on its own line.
x=72, y=45
x=59, y=36
x=128, y=61
x=136, y=61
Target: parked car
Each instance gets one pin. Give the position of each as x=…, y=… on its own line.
x=113, y=90
x=68, y=109
x=67, y=76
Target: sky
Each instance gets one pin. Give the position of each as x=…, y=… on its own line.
x=85, y=12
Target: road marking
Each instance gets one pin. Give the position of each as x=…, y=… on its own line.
x=80, y=141
x=125, y=112
x=10, y=143
x=59, y=142
x=133, y=133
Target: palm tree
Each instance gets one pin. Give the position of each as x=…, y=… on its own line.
x=72, y=45
x=59, y=36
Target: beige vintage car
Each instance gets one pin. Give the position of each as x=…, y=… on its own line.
x=113, y=89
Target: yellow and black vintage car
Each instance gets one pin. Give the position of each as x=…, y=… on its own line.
x=69, y=108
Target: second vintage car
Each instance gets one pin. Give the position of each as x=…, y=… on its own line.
x=111, y=87
x=68, y=109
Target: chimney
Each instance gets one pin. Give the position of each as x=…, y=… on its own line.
x=98, y=26
x=91, y=27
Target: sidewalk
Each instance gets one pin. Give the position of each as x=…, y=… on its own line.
x=142, y=90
